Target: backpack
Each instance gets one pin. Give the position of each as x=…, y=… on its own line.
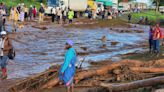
x=11, y=54
x=41, y=10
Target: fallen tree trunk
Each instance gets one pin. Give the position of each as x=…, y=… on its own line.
x=159, y=90
x=147, y=69
x=40, y=27
x=134, y=85
x=90, y=73
x=105, y=69
x=51, y=83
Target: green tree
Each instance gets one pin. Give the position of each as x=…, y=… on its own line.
x=158, y=3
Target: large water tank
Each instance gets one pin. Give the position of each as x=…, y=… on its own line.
x=78, y=5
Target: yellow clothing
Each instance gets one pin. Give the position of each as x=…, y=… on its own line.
x=92, y=4
x=41, y=17
x=11, y=17
x=15, y=15
x=25, y=9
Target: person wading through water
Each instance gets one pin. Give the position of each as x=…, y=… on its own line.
x=5, y=53
x=68, y=69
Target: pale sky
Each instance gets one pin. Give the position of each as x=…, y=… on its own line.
x=145, y=1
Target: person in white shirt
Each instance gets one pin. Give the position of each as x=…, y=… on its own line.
x=2, y=42
x=4, y=59
x=59, y=15
x=53, y=11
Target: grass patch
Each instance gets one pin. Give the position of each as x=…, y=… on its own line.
x=153, y=16
x=10, y=3
x=146, y=56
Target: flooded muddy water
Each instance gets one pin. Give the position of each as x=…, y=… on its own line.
x=38, y=49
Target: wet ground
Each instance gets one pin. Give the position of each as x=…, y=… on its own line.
x=38, y=49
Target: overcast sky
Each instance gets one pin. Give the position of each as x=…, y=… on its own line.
x=145, y=1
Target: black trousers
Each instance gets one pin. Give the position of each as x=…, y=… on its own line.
x=53, y=18
x=1, y=28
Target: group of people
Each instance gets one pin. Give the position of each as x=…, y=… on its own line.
x=142, y=20
x=102, y=13
x=22, y=13
x=68, y=69
x=155, y=36
x=60, y=15
x=7, y=52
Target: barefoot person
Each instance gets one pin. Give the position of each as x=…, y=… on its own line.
x=68, y=69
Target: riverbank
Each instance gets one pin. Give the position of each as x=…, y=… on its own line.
x=153, y=17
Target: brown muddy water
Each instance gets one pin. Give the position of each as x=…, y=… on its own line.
x=43, y=48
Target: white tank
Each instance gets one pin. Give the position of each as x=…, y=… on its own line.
x=76, y=5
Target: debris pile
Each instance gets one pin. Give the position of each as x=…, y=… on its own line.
x=124, y=75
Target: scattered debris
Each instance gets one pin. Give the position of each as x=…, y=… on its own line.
x=40, y=27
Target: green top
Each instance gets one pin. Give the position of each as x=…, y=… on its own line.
x=70, y=14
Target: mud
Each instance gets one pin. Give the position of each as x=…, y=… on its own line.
x=40, y=46
x=38, y=49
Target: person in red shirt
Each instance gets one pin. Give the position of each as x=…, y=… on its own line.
x=157, y=36
x=34, y=12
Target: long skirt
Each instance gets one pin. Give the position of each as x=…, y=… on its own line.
x=22, y=16
x=68, y=76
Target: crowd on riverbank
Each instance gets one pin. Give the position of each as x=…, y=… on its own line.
x=22, y=13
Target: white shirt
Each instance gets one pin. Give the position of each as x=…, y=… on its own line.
x=2, y=42
x=53, y=11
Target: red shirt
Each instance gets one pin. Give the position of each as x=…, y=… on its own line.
x=34, y=11
x=157, y=33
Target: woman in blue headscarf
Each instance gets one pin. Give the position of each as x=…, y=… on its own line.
x=68, y=69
